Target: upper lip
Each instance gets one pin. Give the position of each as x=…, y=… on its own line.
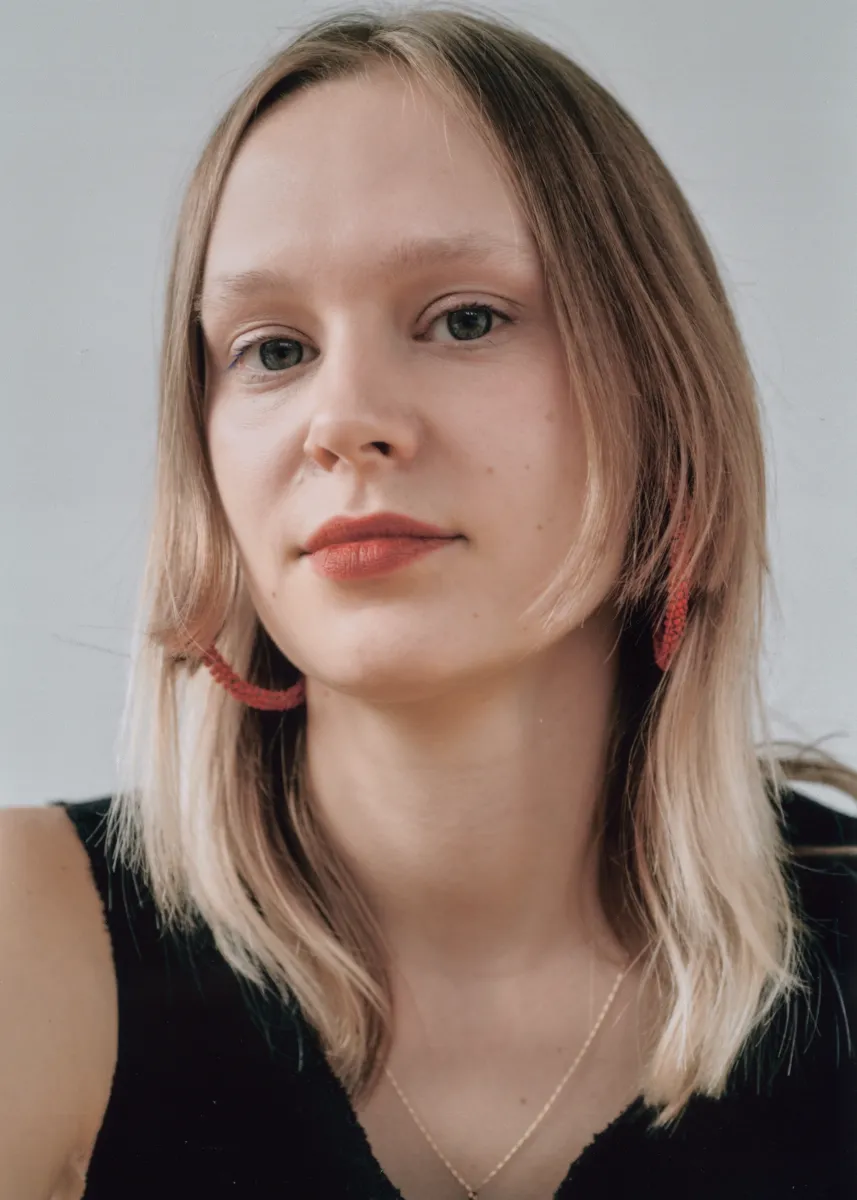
x=374, y=525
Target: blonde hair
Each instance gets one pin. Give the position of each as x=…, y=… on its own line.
x=211, y=810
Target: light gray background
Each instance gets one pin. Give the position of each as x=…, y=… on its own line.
x=104, y=106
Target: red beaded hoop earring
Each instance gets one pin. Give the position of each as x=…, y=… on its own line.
x=266, y=699
x=668, y=635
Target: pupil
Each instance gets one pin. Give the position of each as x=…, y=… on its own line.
x=470, y=328
x=273, y=352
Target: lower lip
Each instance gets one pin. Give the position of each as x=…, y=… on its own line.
x=373, y=557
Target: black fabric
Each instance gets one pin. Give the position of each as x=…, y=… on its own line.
x=217, y=1093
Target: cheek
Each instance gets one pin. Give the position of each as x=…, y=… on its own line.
x=246, y=468
x=534, y=458
x=536, y=488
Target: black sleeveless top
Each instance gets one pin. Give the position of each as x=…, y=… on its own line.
x=218, y=1094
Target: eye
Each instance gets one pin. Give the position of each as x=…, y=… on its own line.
x=275, y=353
x=278, y=355
x=470, y=322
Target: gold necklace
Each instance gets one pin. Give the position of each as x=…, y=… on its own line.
x=473, y=1193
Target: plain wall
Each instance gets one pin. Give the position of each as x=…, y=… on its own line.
x=104, y=106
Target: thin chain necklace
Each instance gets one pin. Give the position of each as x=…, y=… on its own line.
x=473, y=1193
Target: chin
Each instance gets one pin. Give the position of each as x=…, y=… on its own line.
x=389, y=679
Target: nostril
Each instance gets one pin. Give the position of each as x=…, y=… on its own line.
x=384, y=447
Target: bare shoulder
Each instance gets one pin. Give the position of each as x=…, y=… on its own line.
x=58, y=1006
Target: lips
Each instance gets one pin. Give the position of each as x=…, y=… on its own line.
x=343, y=530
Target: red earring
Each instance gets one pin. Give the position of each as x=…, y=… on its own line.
x=669, y=634
x=248, y=693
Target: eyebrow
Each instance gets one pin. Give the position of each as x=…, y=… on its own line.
x=412, y=253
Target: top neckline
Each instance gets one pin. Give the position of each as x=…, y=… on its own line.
x=360, y=1151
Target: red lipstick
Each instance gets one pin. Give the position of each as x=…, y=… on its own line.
x=365, y=547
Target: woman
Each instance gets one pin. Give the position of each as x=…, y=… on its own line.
x=446, y=862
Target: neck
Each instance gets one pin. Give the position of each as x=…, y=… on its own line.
x=467, y=818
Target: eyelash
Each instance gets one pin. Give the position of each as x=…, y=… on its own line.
x=242, y=350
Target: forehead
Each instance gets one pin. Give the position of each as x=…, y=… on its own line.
x=359, y=173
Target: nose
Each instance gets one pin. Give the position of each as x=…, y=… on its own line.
x=362, y=441
x=362, y=419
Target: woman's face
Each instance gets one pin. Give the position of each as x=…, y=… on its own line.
x=377, y=379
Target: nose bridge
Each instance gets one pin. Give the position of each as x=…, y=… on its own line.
x=360, y=406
